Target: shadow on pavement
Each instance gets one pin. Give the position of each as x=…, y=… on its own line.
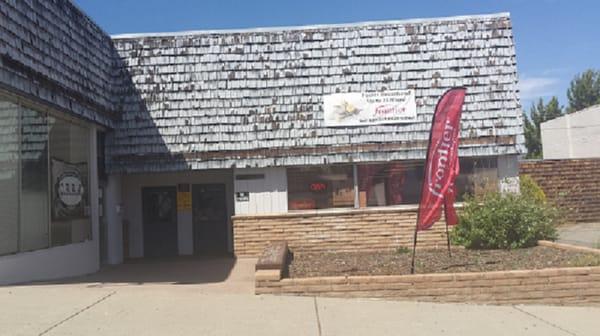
x=177, y=270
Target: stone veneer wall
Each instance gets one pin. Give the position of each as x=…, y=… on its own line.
x=373, y=229
x=578, y=285
x=573, y=184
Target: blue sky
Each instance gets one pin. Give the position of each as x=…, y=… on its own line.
x=555, y=39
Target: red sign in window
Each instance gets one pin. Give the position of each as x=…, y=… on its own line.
x=302, y=204
x=318, y=186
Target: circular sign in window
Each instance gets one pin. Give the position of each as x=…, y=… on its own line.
x=70, y=189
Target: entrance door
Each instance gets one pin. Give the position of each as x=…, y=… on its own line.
x=210, y=218
x=160, y=221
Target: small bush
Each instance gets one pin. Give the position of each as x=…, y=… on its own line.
x=505, y=221
x=529, y=188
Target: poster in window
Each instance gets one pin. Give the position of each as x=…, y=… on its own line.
x=69, y=190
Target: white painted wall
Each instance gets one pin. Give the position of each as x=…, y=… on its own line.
x=572, y=136
x=63, y=261
x=266, y=196
x=132, y=205
x=114, y=220
x=53, y=263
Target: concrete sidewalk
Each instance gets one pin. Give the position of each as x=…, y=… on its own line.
x=213, y=275
x=583, y=234
x=89, y=309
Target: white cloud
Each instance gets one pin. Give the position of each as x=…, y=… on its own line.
x=537, y=87
x=558, y=71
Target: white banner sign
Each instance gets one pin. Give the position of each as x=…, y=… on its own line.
x=370, y=108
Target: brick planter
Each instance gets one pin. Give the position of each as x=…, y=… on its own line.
x=371, y=229
x=574, y=286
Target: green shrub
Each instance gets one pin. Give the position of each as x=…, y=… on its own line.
x=529, y=188
x=505, y=221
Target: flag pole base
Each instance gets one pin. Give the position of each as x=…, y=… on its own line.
x=448, y=239
x=412, y=264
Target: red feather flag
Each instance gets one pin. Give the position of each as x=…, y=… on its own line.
x=441, y=166
x=449, y=211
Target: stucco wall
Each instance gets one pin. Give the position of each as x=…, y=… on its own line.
x=573, y=136
x=53, y=263
x=113, y=204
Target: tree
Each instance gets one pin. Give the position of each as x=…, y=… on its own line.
x=539, y=113
x=584, y=90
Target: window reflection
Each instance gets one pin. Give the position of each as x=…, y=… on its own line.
x=34, y=180
x=400, y=182
x=44, y=180
x=69, y=161
x=389, y=183
x=9, y=177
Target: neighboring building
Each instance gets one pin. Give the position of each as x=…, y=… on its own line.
x=219, y=141
x=572, y=136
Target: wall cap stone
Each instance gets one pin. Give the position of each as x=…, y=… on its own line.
x=337, y=212
x=570, y=247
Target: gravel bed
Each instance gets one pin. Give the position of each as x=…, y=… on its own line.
x=305, y=265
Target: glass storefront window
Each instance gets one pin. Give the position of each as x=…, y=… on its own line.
x=320, y=187
x=9, y=177
x=400, y=182
x=477, y=176
x=34, y=180
x=44, y=180
x=69, y=170
x=379, y=184
x=389, y=183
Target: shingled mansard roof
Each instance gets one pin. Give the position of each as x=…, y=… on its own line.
x=253, y=98
x=52, y=52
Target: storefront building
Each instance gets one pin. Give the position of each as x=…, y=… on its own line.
x=212, y=142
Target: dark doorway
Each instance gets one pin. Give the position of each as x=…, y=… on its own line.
x=160, y=221
x=210, y=218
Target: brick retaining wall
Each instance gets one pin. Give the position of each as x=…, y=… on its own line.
x=578, y=285
x=376, y=229
x=573, y=184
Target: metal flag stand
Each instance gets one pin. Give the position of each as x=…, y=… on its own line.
x=412, y=264
x=447, y=232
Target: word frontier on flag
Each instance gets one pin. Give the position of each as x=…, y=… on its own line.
x=441, y=165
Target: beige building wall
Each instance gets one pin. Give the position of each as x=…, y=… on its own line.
x=572, y=136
